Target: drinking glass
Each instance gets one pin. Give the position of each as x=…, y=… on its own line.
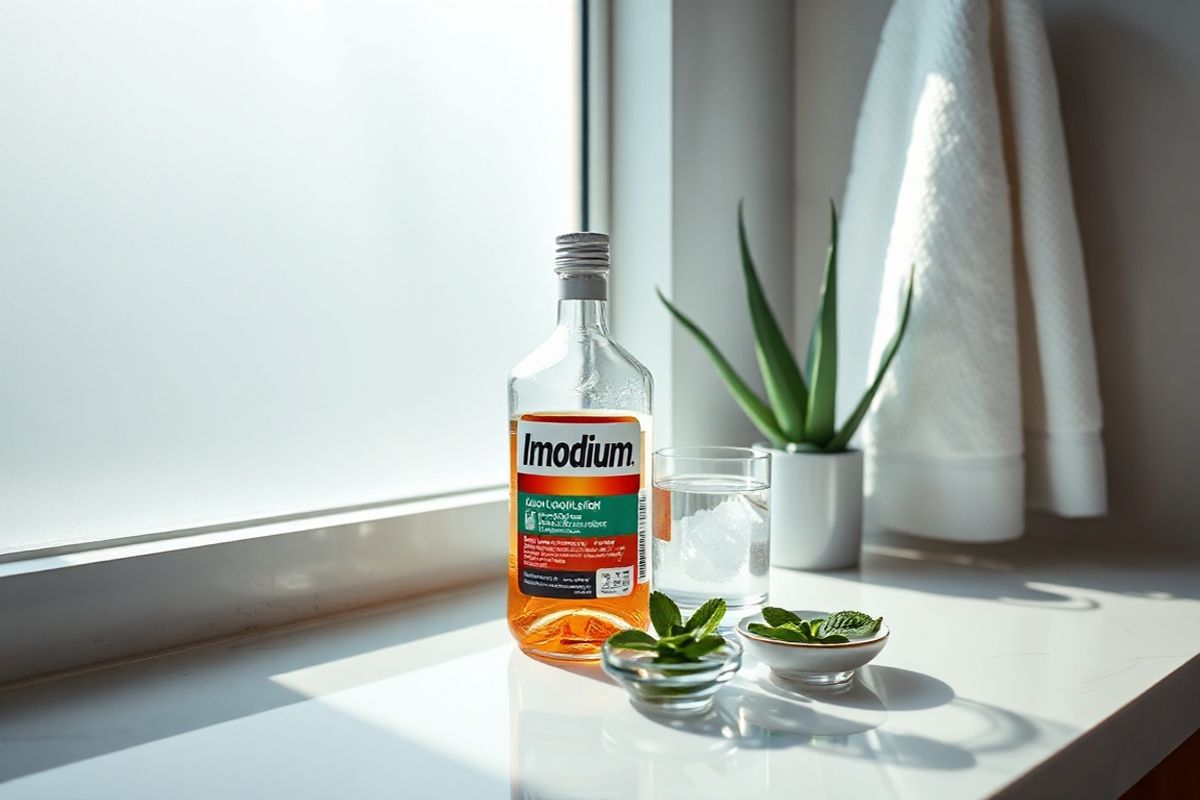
x=712, y=526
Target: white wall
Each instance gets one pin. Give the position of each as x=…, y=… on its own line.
x=1129, y=80
x=641, y=191
x=835, y=42
x=733, y=140
x=693, y=133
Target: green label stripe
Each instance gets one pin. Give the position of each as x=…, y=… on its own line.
x=565, y=515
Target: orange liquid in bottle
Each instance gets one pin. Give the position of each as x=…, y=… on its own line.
x=575, y=627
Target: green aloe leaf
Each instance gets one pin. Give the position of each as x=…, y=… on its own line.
x=812, y=341
x=663, y=613
x=855, y=419
x=633, y=639
x=819, y=424
x=758, y=411
x=781, y=375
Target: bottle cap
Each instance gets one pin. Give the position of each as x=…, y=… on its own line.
x=582, y=260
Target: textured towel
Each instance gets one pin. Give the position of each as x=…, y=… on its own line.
x=960, y=170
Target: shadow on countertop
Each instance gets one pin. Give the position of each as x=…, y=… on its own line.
x=1029, y=571
x=69, y=719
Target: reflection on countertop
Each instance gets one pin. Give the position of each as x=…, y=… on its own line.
x=579, y=740
x=1011, y=671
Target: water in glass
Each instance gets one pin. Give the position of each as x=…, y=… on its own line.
x=712, y=539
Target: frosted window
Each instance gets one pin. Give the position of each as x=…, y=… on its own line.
x=262, y=258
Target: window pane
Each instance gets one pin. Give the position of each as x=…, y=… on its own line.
x=260, y=258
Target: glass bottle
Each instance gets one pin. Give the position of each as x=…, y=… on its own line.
x=579, y=450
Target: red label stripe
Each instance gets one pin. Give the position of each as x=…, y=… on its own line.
x=579, y=486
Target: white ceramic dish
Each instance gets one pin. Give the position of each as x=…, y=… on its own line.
x=820, y=664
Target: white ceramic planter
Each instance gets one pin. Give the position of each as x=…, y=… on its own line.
x=816, y=509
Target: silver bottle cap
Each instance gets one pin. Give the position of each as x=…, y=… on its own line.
x=581, y=261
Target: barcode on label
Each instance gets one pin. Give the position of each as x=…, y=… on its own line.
x=643, y=567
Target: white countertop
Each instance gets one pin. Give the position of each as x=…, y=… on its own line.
x=1031, y=669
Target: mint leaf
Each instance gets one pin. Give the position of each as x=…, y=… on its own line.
x=633, y=640
x=679, y=643
x=671, y=658
x=663, y=613
x=779, y=616
x=832, y=640
x=850, y=623
x=789, y=633
x=704, y=646
x=676, y=642
x=788, y=627
x=807, y=628
x=706, y=618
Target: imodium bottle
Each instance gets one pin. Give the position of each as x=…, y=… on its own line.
x=579, y=449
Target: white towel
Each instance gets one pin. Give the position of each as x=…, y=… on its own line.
x=960, y=169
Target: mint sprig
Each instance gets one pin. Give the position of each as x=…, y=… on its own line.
x=786, y=626
x=679, y=642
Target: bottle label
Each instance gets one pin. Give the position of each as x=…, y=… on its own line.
x=581, y=509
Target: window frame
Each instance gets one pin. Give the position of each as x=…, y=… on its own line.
x=668, y=202
x=71, y=607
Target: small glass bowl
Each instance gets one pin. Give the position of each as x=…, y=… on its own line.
x=679, y=689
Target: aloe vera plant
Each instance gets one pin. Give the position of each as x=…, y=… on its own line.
x=798, y=413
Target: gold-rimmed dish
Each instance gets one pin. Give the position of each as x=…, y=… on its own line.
x=812, y=663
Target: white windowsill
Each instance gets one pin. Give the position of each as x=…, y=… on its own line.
x=1031, y=669
x=168, y=542
x=67, y=610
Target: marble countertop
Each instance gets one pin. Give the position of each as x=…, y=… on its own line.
x=1025, y=670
